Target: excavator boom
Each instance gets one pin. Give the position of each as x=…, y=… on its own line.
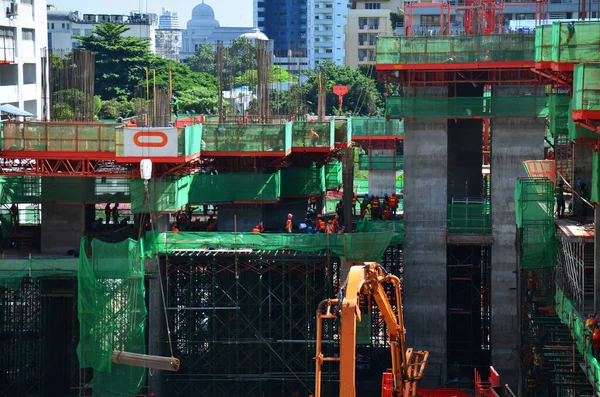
x=407, y=365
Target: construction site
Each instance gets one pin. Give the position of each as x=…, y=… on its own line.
x=420, y=252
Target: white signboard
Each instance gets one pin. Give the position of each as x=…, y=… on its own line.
x=150, y=142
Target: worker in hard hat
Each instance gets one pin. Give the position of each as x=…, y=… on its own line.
x=175, y=105
x=595, y=338
x=536, y=364
x=320, y=224
x=532, y=286
x=288, y=224
x=336, y=224
x=394, y=204
x=329, y=227
x=115, y=214
x=368, y=216
x=339, y=209
x=376, y=207
x=559, y=196
x=314, y=138
x=354, y=200
x=258, y=228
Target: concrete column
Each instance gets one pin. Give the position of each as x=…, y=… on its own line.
x=382, y=182
x=514, y=140
x=425, y=208
x=63, y=226
x=157, y=326
x=582, y=169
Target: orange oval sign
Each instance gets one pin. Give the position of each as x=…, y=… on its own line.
x=147, y=134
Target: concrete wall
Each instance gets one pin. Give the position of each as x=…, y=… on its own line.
x=425, y=192
x=62, y=227
x=514, y=140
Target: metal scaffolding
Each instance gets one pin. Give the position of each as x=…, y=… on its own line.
x=574, y=270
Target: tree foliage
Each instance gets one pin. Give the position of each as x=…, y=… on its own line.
x=250, y=77
x=396, y=18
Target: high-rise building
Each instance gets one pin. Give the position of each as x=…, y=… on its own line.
x=23, y=36
x=326, y=20
x=168, y=35
x=285, y=22
x=368, y=19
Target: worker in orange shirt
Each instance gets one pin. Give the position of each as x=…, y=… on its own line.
x=320, y=224
x=354, y=199
x=258, y=228
x=314, y=138
x=336, y=224
x=393, y=204
x=212, y=227
x=288, y=224
x=387, y=213
x=376, y=207
x=595, y=338
x=329, y=227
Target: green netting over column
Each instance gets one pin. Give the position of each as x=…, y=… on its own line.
x=333, y=174
x=376, y=126
x=576, y=44
x=466, y=107
x=569, y=316
x=357, y=247
x=380, y=163
x=302, y=181
x=543, y=43
x=112, y=315
x=470, y=218
x=595, y=185
x=586, y=85
x=13, y=271
x=163, y=195
x=249, y=138
x=534, y=209
x=302, y=134
x=235, y=187
x=558, y=112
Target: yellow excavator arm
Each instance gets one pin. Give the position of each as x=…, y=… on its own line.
x=407, y=365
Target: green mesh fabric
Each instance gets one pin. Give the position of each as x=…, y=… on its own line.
x=302, y=138
x=189, y=141
x=395, y=227
x=595, y=185
x=470, y=218
x=32, y=189
x=343, y=132
x=357, y=247
x=333, y=174
x=586, y=85
x=466, y=107
x=534, y=209
x=376, y=126
x=558, y=112
x=235, y=187
x=380, y=163
x=162, y=195
x=13, y=271
x=249, y=138
x=578, y=45
x=578, y=133
x=455, y=49
x=302, y=181
x=569, y=316
x=112, y=315
x=44, y=136
x=543, y=43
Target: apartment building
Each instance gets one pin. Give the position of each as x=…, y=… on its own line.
x=23, y=36
x=326, y=20
x=367, y=19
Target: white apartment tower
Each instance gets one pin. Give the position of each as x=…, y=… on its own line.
x=168, y=36
x=326, y=20
x=23, y=36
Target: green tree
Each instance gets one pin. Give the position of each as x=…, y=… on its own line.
x=250, y=77
x=183, y=78
x=120, y=61
x=204, y=60
x=198, y=100
x=396, y=18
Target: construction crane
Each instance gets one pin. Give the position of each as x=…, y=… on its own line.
x=407, y=365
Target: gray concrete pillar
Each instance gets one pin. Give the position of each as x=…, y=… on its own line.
x=425, y=208
x=157, y=326
x=514, y=141
x=582, y=169
x=381, y=182
x=63, y=226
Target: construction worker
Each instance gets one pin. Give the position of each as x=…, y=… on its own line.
x=174, y=228
x=107, y=213
x=386, y=200
x=175, y=105
x=368, y=216
x=336, y=224
x=532, y=286
x=339, y=209
x=584, y=194
x=376, y=207
x=212, y=226
x=329, y=227
x=115, y=214
x=589, y=320
x=559, y=195
x=320, y=224
x=313, y=202
x=394, y=205
x=354, y=200
x=537, y=364
x=288, y=224
x=314, y=138
x=387, y=213
x=258, y=228
x=595, y=339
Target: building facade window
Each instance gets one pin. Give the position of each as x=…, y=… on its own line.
x=30, y=2
x=28, y=34
x=373, y=6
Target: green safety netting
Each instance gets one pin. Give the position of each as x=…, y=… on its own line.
x=380, y=163
x=381, y=226
x=595, y=185
x=35, y=189
x=543, y=43
x=235, y=187
x=357, y=247
x=302, y=181
x=333, y=174
x=343, y=132
x=250, y=138
x=376, y=126
x=189, y=141
x=45, y=136
x=578, y=133
x=534, y=209
x=579, y=332
x=466, y=107
x=558, y=112
x=14, y=270
x=586, y=85
x=302, y=134
x=160, y=195
x=455, y=49
x=470, y=218
x=112, y=314
x=575, y=41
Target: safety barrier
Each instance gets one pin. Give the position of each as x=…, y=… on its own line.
x=576, y=41
x=376, y=127
x=586, y=90
x=469, y=217
x=227, y=139
x=313, y=135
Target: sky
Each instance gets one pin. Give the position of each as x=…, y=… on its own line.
x=227, y=12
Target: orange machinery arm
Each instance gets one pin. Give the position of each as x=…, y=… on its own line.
x=407, y=366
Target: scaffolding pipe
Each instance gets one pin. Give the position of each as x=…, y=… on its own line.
x=145, y=361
